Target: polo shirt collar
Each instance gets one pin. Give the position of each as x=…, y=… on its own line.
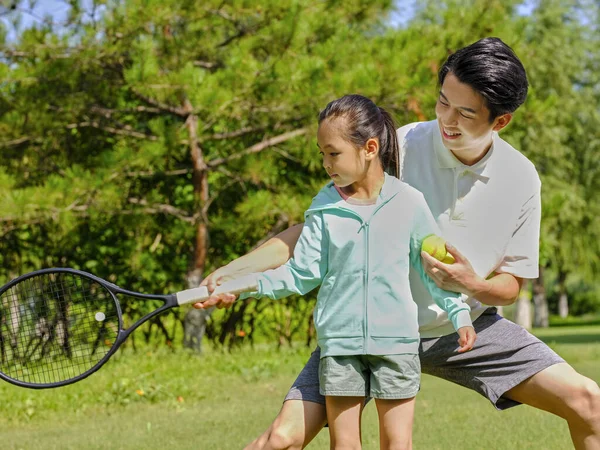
x=446, y=160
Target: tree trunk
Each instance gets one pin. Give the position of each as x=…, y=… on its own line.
x=540, y=301
x=194, y=323
x=194, y=327
x=563, y=305
x=522, y=315
x=563, y=299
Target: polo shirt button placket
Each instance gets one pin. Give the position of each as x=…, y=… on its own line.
x=452, y=216
x=457, y=216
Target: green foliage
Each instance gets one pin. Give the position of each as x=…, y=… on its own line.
x=584, y=299
x=123, y=136
x=101, y=121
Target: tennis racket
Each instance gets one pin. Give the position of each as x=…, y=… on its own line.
x=58, y=326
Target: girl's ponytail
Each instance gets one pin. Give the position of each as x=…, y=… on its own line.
x=389, y=149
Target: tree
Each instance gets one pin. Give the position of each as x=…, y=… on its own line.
x=522, y=315
x=139, y=139
x=154, y=141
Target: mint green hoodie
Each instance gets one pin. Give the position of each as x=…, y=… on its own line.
x=364, y=305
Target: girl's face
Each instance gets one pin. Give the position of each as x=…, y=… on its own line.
x=344, y=163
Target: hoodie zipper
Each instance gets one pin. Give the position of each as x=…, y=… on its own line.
x=365, y=225
x=366, y=297
x=366, y=277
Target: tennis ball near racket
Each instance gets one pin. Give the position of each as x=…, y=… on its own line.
x=436, y=247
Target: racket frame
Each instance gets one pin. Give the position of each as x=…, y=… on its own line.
x=170, y=301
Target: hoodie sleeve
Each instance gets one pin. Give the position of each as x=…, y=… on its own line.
x=423, y=225
x=304, y=271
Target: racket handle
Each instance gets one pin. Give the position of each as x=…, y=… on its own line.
x=201, y=294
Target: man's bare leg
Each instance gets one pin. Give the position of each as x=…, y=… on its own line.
x=559, y=389
x=295, y=426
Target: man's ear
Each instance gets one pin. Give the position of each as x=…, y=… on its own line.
x=502, y=121
x=372, y=148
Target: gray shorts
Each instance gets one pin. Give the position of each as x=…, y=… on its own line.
x=504, y=356
x=391, y=377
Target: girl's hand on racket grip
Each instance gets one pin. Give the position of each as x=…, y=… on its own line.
x=466, y=338
x=217, y=277
x=223, y=300
x=220, y=295
x=212, y=281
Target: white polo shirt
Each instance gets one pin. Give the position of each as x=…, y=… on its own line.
x=489, y=211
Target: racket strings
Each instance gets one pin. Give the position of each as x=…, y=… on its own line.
x=54, y=327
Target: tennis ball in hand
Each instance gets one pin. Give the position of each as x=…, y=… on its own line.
x=449, y=259
x=436, y=247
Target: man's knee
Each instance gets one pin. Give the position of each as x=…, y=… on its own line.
x=281, y=435
x=295, y=426
x=259, y=442
x=585, y=403
x=284, y=438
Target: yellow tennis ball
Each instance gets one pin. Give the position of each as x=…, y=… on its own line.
x=436, y=247
x=449, y=259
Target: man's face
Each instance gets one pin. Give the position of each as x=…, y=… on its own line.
x=463, y=119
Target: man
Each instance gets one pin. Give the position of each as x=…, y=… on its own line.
x=485, y=196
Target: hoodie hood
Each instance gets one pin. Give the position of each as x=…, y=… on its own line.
x=329, y=198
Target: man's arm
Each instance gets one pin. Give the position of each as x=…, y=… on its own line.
x=500, y=290
x=520, y=261
x=301, y=273
x=270, y=255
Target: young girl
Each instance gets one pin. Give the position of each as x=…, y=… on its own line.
x=361, y=232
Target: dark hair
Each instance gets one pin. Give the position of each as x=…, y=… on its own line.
x=365, y=120
x=491, y=68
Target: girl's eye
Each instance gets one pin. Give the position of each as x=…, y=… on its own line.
x=466, y=117
x=442, y=103
x=334, y=154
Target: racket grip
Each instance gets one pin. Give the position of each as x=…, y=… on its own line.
x=236, y=287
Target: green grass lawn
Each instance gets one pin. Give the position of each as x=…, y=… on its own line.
x=156, y=399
